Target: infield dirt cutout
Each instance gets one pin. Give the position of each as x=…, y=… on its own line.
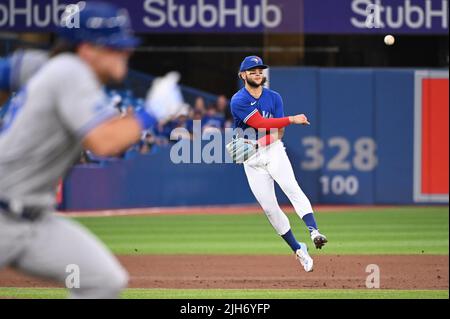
x=269, y=272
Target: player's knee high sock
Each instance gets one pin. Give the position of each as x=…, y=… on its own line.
x=310, y=222
x=291, y=241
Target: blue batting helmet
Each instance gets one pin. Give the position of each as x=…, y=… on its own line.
x=98, y=23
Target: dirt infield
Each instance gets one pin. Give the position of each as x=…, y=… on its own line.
x=269, y=272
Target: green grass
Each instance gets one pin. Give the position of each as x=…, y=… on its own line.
x=403, y=230
x=50, y=293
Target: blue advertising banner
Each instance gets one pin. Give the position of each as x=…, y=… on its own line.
x=249, y=16
x=376, y=16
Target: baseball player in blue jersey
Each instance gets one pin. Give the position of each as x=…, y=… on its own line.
x=258, y=113
x=61, y=110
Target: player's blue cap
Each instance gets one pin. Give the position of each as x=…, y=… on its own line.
x=99, y=23
x=5, y=74
x=252, y=62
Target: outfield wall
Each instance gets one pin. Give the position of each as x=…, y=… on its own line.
x=377, y=136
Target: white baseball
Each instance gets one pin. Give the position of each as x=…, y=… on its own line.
x=389, y=40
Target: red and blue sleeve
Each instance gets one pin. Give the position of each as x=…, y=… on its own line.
x=258, y=122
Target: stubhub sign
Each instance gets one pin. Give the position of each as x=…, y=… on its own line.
x=377, y=16
x=233, y=14
x=405, y=15
x=249, y=16
x=164, y=15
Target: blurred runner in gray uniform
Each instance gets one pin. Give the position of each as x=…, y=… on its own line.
x=62, y=109
x=15, y=71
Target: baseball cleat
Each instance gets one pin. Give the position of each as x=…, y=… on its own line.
x=318, y=239
x=304, y=258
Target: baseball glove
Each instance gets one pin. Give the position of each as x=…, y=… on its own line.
x=241, y=149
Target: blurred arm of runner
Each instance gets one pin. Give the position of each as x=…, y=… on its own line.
x=113, y=137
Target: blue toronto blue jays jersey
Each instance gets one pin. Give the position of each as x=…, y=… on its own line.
x=244, y=106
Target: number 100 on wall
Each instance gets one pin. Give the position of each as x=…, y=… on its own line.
x=339, y=185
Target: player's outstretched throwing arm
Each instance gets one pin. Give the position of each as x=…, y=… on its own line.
x=258, y=122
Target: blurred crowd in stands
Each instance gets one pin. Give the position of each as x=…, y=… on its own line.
x=213, y=117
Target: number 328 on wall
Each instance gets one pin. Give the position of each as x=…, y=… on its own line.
x=364, y=154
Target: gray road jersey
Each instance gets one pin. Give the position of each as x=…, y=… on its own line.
x=48, y=120
x=24, y=64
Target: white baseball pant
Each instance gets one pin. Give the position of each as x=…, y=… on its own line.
x=271, y=164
